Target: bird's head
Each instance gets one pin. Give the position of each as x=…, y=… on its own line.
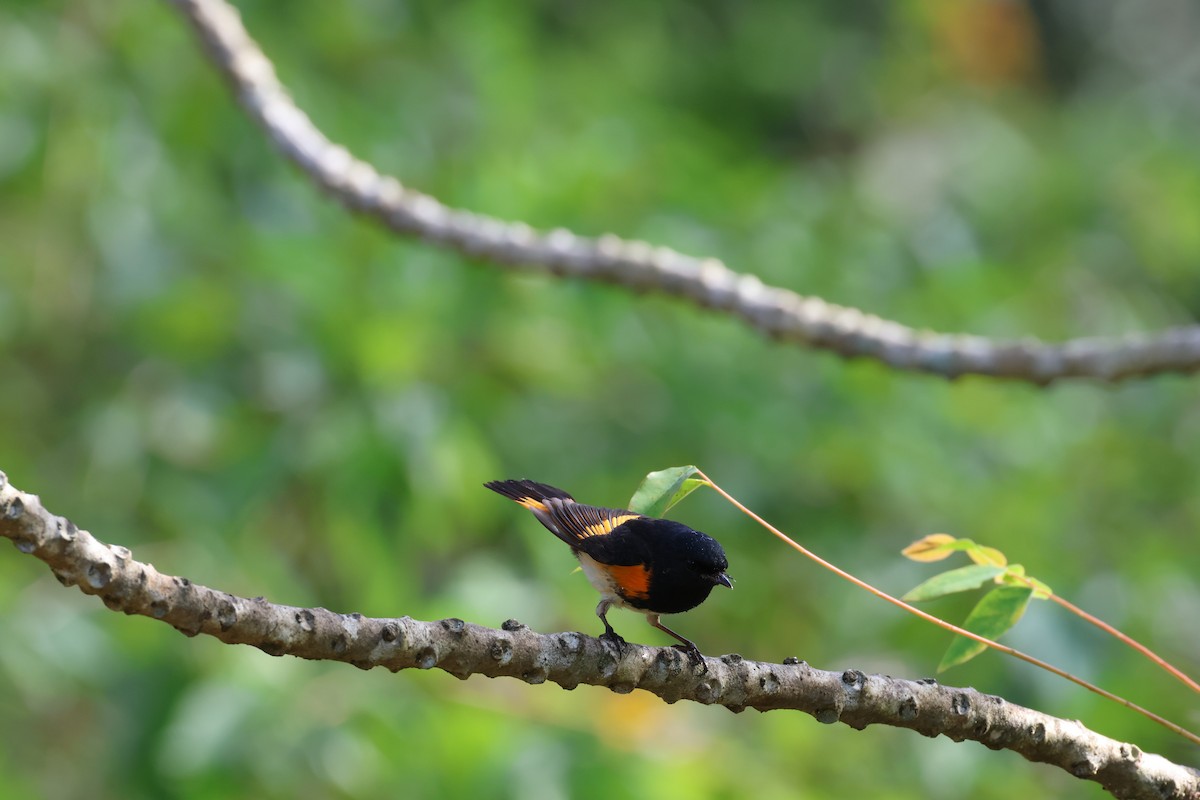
x=707, y=560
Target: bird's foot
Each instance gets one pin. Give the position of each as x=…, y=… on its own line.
x=614, y=639
x=695, y=657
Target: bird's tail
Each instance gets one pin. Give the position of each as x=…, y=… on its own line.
x=530, y=494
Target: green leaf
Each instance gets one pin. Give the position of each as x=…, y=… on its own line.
x=1015, y=575
x=952, y=581
x=663, y=489
x=995, y=613
x=987, y=555
x=1041, y=591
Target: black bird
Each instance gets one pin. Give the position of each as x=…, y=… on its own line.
x=650, y=565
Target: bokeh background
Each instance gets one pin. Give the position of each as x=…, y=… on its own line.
x=208, y=362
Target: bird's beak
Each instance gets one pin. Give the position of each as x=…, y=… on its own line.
x=724, y=580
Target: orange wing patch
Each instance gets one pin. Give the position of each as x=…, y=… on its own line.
x=632, y=582
x=584, y=522
x=605, y=525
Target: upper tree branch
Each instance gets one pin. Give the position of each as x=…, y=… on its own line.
x=571, y=659
x=707, y=282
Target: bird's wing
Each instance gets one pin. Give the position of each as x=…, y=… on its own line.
x=579, y=525
x=599, y=532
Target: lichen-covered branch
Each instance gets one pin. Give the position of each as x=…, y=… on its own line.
x=777, y=312
x=570, y=659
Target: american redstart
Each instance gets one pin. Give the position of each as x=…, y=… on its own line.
x=650, y=565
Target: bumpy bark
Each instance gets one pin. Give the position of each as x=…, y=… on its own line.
x=777, y=312
x=570, y=659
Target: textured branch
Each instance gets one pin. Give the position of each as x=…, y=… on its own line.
x=569, y=659
x=777, y=312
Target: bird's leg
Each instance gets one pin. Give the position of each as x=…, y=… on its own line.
x=609, y=635
x=686, y=645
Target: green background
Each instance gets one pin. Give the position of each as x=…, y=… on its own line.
x=205, y=360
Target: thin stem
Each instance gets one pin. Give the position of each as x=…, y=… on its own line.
x=941, y=623
x=1136, y=645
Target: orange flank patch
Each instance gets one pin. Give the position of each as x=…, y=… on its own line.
x=531, y=504
x=632, y=582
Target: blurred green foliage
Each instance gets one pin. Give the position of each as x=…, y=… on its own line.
x=206, y=361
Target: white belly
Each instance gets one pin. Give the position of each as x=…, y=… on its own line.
x=600, y=579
